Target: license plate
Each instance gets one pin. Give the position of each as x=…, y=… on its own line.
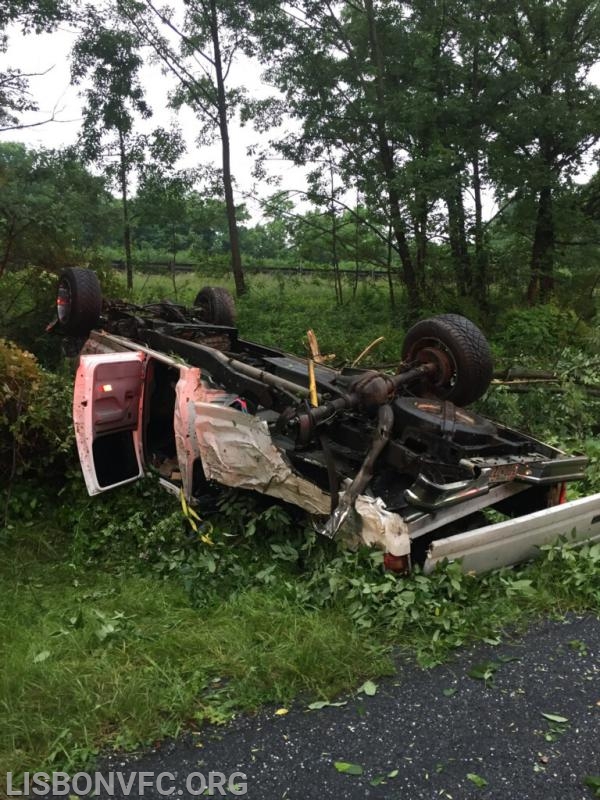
x=503, y=473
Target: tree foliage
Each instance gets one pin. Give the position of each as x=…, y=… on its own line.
x=410, y=120
x=109, y=58
x=425, y=105
x=53, y=212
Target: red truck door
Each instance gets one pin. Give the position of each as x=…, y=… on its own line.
x=108, y=418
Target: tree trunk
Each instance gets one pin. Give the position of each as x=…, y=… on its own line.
x=125, y=206
x=480, y=277
x=390, y=252
x=334, y=239
x=386, y=157
x=234, y=239
x=480, y=273
x=420, y=227
x=541, y=283
x=10, y=238
x=356, y=246
x=174, y=246
x=458, y=241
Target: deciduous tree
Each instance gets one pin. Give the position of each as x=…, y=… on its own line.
x=551, y=118
x=199, y=49
x=108, y=60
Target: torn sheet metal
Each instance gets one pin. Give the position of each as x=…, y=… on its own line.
x=382, y=528
x=372, y=524
x=190, y=390
x=237, y=450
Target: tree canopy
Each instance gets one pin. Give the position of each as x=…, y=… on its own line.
x=410, y=120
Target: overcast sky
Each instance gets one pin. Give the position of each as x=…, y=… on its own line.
x=48, y=55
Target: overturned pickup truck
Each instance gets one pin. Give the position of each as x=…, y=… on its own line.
x=389, y=460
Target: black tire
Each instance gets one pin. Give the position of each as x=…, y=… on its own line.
x=461, y=351
x=217, y=305
x=78, y=301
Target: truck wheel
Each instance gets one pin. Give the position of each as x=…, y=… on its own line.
x=217, y=306
x=460, y=352
x=78, y=301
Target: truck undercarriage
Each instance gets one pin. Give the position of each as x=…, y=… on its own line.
x=391, y=459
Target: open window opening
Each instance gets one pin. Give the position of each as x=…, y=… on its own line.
x=116, y=388
x=115, y=458
x=159, y=431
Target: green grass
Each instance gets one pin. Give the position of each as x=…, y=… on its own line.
x=279, y=310
x=94, y=659
x=106, y=657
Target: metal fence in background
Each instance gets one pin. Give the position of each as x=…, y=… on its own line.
x=165, y=268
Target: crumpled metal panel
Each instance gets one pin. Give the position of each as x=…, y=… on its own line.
x=382, y=528
x=190, y=389
x=368, y=522
x=237, y=450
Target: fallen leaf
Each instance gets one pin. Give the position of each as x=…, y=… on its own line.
x=449, y=692
x=477, y=780
x=282, y=711
x=377, y=780
x=41, y=657
x=393, y=773
x=555, y=718
x=318, y=704
x=369, y=688
x=77, y=620
x=347, y=768
x=593, y=782
x=483, y=672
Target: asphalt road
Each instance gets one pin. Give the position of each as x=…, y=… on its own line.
x=428, y=729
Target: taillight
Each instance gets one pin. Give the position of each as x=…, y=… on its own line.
x=557, y=495
x=562, y=497
x=399, y=564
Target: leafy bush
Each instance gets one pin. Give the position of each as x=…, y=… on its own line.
x=591, y=483
x=541, y=331
x=26, y=307
x=36, y=437
x=142, y=526
x=565, y=410
x=245, y=545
